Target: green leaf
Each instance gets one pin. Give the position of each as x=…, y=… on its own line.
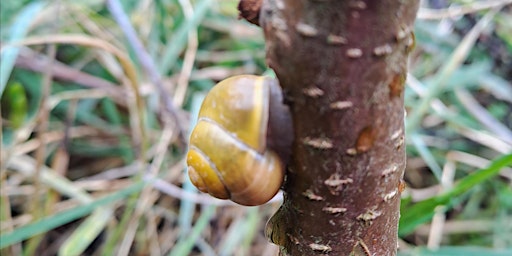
x=14, y=104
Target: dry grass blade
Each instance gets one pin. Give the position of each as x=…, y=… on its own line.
x=35, y=62
x=461, y=227
x=482, y=115
x=26, y=165
x=190, y=55
x=485, y=139
x=438, y=221
x=137, y=119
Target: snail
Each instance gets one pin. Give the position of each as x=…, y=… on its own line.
x=242, y=140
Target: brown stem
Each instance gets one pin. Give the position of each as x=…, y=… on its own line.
x=250, y=10
x=342, y=66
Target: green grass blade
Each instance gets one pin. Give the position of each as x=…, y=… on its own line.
x=179, y=39
x=427, y=156
x=423, y=211
x=457, y=251
x=187, y=207
x=85, y=234
x=26, y=166
x=184, y=247
x=241, y=233
x=48, y=223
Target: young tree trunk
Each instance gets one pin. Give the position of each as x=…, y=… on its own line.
x=342, y=66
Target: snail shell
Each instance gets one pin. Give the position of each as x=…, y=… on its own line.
x=228, y=156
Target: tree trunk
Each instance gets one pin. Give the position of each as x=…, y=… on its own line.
x=342, y=66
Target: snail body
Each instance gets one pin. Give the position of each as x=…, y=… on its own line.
x=229, y=155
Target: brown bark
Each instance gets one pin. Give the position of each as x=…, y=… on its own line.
x=342, y=66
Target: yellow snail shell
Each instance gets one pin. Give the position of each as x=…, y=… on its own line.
x=228, y=155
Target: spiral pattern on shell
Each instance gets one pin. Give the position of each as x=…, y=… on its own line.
x=228, y=155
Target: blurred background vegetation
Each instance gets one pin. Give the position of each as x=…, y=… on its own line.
x=98, y=98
